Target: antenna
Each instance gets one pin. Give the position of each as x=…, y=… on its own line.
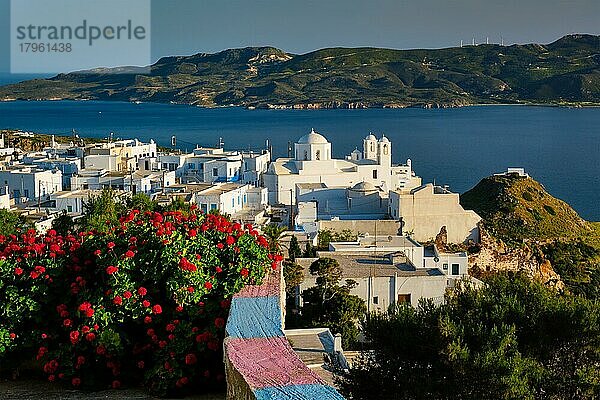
x=473, y=41
x=461, y=43
x=501, y=41
x=487, y=40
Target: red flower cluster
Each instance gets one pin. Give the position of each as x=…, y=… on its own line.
x=189, y=261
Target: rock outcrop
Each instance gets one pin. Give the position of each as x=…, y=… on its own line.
x=494, y=256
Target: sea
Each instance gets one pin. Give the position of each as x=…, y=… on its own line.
x=560, y=147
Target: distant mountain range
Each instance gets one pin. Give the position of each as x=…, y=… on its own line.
x=566, y=72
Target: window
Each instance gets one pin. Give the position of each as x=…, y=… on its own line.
x=445, y=266
x=191, y=166
x=69, y=209
x=213, y=206
x=374, y=174
x=385, y=149
x=305, y=155
x=318, y=155
x=376, y=300
x=215, y=172
x=204, y=207
x=403, y=298
x=233, y=202
x=455, y=269
x=372, y=148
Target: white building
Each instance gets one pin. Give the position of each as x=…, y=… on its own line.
x=426, y=209
x=313, y=164
x=27, y=183
x=147, y=182
x=361, y=201
x=231, y=198
x=127, y=153
x=5, y=202
x=392, y=269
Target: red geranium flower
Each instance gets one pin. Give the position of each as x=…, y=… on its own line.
x=208, y=285
x=127, y=294
x=157, y=309
x=142, y=291
x=110, y=245
x=76, y=382
x=111, y=269
x=118, y=300
x=18, y=271
x=191, y=359
x=90, y=337
x=129, y=254
x=219, y=322
x=74, y=336
x=146, y=303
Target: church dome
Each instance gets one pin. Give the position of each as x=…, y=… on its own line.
x=313, y=138
x=363, y=187
x=371, y=137
x=384, y=139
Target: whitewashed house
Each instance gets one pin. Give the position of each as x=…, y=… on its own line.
x=30, y=183
x=393, y=269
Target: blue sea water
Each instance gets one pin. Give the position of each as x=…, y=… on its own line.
x=560, y=147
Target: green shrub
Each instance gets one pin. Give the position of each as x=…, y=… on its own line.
x=145, y=300
x=527, y=196
x=549, y=209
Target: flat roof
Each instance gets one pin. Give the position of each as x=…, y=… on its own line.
x=363, y=265
x=220, y=189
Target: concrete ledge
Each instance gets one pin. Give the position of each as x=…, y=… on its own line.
x=260, y=363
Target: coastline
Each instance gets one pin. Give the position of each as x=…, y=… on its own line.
x=311, y=107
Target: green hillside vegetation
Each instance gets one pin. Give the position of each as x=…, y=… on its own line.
x=515, y=209
x=566, y=71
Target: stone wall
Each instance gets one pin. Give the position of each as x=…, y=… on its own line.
x=372, y=227
x=259, y=361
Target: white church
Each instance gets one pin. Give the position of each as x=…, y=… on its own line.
x=314, y=167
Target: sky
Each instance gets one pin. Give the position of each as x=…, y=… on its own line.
x=181, y=27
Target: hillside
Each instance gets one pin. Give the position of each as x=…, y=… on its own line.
x=515, y=208
x=566, y=71
x=528, y=230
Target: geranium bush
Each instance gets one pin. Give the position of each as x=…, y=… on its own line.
x=147, y=301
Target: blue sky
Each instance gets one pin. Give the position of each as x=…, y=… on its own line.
x=190, y=26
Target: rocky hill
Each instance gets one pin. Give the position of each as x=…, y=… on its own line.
x=516, y=209
x=527, y=230
x=564, y=72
